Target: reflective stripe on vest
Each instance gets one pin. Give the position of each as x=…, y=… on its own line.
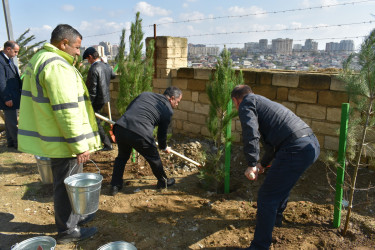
x=57, y=138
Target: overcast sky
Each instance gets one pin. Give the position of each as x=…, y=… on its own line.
x=217, y=22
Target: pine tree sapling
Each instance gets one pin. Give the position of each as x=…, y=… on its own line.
x=26, y=51
x=219, y=91
x=135, y=72
x=122, y=100
x=361, y=90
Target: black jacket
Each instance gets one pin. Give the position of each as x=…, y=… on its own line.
x=271, y=121
x=144, y=113
x=10, y=84
x=98, y=80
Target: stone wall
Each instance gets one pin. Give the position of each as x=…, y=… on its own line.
x=315, y=97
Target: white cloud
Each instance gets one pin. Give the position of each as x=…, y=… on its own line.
x=328, y=2
x=164, y=20
x=305, y=3
x=101, y=30
x=67, y=7
x=149, y=10
x=192, y=16
x=46, y=27
x=236, y=10
x=296, y=25
x=185, y=5
x=100, y=26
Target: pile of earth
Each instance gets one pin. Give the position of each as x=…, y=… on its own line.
x=184, y=216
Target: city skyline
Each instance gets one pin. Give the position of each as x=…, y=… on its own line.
x=213, y=23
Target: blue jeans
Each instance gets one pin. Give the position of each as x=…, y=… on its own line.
x=291, y=160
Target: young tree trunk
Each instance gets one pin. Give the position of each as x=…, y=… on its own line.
x=358, y=161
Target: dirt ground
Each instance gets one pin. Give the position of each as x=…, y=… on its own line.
x=184, y=216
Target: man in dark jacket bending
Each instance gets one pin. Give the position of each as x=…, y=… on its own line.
x=288, y=142
x=98, y=80
x=135, y=130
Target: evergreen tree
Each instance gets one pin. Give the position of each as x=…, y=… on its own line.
x=137, y=72
x=122, y=100
x=26, y=51
x=361, y=90
x=219, y=91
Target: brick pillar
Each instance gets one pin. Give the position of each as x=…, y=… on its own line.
x=171, y=53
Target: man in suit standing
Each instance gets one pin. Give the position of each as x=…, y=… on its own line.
x=10, y=91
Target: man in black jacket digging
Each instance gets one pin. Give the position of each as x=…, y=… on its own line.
x=135, y=130
x=288, y=142
x=98, y=80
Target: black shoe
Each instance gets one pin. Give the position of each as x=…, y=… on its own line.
x=161, y=183
x=86, y=219
x=279, y=221
x=76, y=235
x=114, y=190
x=107, y=148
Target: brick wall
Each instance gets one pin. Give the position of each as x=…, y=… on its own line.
x=316, y=98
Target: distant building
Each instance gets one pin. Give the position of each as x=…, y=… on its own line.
x=297, y=47
x=310, y=45
x=343, y=46
x=100, y=50
x=114, y=50
x=252, y=47
x=263, y=45
x=282, y=46
x=107, y=47
x=347, y=45
x=202, y=50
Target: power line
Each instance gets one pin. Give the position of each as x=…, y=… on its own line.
x=294, y=40
x=264, y=13
x=272, y=30
x=241, y=16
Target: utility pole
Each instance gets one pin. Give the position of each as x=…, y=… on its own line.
x=8, y=23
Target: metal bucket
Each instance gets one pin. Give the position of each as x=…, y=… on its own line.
x=44, y=168
x=118, y=245
x=45, y=242
x=84, y=191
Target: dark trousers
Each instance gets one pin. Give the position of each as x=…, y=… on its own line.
x=11, y=128
x=103, y=135
x=126, y=140
x=62, y=168
x=291, y=160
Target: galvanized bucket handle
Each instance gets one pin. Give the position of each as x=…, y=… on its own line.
x=89, y=160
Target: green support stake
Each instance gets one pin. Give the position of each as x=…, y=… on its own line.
x=134, y=155
x=228, y=145
x=341, y=161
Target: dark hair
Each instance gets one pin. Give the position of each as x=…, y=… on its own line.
x=172, y=91
x=240, y=91
x=10, y=44
x=64, y=31
x=95, y=55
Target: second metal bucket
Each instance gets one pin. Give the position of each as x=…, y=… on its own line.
x=118, y=245
x=84, y=191
x=44, y=242
x=44, y=169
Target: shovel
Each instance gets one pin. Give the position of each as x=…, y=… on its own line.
x=113, y=138
x=172, y=151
